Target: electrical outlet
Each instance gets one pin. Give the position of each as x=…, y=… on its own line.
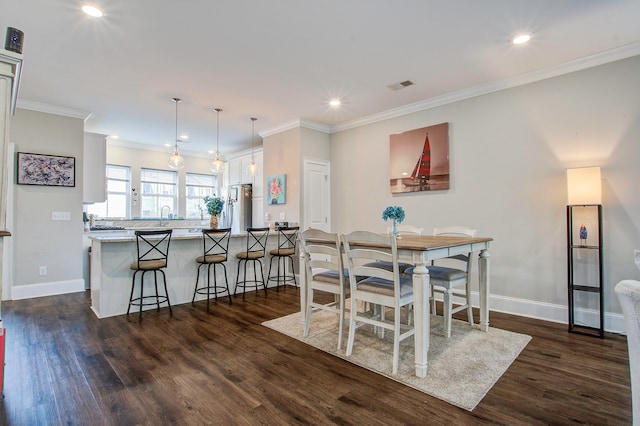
x=42, y=271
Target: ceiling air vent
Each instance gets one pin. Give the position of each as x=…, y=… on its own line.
x=401, y=85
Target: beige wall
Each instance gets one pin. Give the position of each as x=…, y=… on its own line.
x=282, y=155
x=509, y=151
x=37, y=240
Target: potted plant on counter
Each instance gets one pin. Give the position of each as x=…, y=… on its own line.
x=214, y=207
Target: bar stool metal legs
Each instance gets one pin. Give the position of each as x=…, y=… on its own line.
x=287, y=240
x=255, y=251
x=140, y=301
x=152, y=249
x=214, y=253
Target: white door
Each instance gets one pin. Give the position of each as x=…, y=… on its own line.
x=316, y=195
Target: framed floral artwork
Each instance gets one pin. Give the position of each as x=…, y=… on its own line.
x=48, y=170
x=277, y=189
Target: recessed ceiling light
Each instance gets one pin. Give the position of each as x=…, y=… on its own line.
x=168, y=145
x=335, y=103
x=184, y=137
x=92, y=11
x=114, y=136
x=521, y=39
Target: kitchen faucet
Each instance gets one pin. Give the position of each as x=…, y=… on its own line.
x=162, y=212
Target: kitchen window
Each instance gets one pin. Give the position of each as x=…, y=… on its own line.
x=118, y=203
x=197, y=187
x=159, y=190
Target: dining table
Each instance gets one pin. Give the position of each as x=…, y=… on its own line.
x=421, y=250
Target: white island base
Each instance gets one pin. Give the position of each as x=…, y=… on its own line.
x=112, y=253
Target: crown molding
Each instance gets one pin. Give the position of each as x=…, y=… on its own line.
x=294, y=124
x=579, y=64
x=53, y=109
x=183, y=151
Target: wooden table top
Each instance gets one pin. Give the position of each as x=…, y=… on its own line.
x=428, y=242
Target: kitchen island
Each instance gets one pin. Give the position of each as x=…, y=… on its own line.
x=113, y=252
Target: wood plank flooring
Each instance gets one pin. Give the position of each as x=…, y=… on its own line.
x=66, y=367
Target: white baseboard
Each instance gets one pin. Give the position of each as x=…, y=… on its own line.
x=29, y=291
x=613, y=323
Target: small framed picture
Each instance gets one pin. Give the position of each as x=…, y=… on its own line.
x=47, y=170
x=277, y=189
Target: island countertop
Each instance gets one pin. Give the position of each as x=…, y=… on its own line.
x=113, y=251
x=129, y=235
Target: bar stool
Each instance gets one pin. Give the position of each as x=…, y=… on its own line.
x=256, y=247
x=152, y=249
x=215, y=246
x=287, y=240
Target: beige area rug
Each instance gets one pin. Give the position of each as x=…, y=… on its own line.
x=461, y=369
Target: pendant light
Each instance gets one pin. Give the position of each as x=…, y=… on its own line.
x=176, y=161
x=217, y=165
x=252, y=168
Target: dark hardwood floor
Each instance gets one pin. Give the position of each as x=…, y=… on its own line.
x=65, y=366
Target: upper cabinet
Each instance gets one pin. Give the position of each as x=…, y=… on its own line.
x=94, y=188
x=237, y=172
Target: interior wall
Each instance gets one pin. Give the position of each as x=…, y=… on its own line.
x=508, y=155
x=282, y=155
x=314, y=145
x=37, y=239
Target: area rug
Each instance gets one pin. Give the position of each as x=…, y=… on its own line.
x=461, y=369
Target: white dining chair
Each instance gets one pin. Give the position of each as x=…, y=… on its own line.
x=448, y=280
x=402, y=230
x=406, y=230
x=381, y=287
x=325, y=272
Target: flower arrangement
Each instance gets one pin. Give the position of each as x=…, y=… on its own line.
x=214, y=205
x=395, y=213
x=275, y=188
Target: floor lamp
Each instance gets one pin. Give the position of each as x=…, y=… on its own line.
x=584, y=201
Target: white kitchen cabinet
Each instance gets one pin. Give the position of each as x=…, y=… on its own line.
x=235, y=171
x=238, y=171
x=94, y=188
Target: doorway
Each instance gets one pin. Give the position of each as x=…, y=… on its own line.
x=317, y=188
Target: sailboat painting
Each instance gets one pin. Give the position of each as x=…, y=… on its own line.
x=419, y=159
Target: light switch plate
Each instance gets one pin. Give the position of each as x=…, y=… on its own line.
x=60, y=215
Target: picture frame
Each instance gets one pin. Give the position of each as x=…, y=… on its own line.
x=45, y=170
x=277, y=189
x=419, y=160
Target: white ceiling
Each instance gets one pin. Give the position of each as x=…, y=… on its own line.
x=283, y=60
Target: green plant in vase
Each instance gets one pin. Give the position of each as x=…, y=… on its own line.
x=214, y=207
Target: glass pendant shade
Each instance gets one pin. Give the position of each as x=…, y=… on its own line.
x=176, y=161
x=252, y=169
x=217, y=165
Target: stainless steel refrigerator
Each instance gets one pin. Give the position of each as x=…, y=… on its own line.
x=238, y=209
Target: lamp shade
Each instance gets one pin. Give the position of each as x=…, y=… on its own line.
x=584, y=186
